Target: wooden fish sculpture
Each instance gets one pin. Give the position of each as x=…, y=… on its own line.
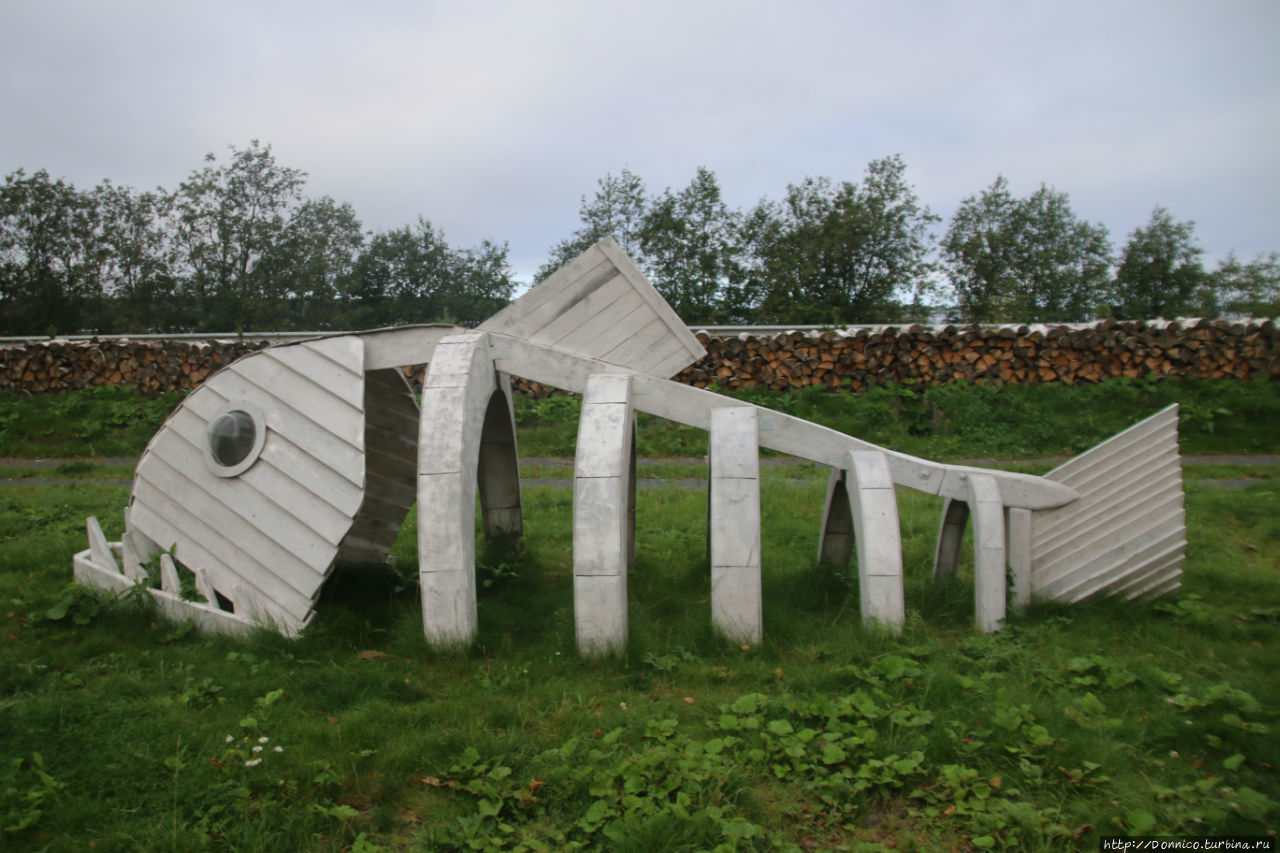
x=307, y=455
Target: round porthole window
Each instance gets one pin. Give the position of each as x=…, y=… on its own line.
x=234, y=439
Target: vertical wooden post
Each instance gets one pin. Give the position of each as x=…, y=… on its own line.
x=603, y=494
x=878, y=537
x=734, y=525
x=988, y=551
x=455, y=396
x=1019, y=548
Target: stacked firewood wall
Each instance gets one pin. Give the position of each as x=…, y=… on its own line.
x=149, y=366
x=1006, y=354
x=848, y=360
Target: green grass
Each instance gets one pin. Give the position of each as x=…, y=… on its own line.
x=1072, y=723
x=103, y=421
x=948, y=422
x=1098, y=719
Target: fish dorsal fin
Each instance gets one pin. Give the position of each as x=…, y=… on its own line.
x=601, y=306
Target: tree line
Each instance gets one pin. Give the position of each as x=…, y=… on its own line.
x=239, y=246
x=865, y=252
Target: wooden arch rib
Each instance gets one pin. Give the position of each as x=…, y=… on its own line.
x=603, y=514
x=456, y=394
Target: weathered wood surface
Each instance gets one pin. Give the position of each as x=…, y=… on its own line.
x=600, y=306
x=455, y=397
x=946, y=554
x=733, y=521
x=499, y=466
x=878, y=538
x=989, y=594
x=342, y=451
x=603, y=493
x=273, y=531
x=1126, y=536
x=391, y=459
x=778, y=431
x=836, y=541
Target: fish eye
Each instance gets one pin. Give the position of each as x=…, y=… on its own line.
x=233, y=440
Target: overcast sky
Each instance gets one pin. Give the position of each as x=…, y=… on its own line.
x=493, y=119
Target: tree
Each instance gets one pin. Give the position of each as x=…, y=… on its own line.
x=138, y=264
x=309, y=266
x=50, y=263
x=618, y=210
x=1160, y=273
x=412, y=275
x=1026, y=260
x=842, y=253
x=689, y=242
x=228, y=218
x=1245, y=290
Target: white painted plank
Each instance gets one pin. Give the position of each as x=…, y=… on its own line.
x=265, y=486
x=281, y=386
x=176, y=472
x=584, y=313
x=568, y=294
x=220, y=561
x=334, y=364
x=878, y=539
x=657, y=304
x=989, y=553
x=1019, y=546
x=600, y=614
x=589, y=337
x=736, y=601
x=99, y=548
x=529, y=312
x=335, y=439
x=402, y=346
x=600, y=526
x=197, y=526
x=735, y=444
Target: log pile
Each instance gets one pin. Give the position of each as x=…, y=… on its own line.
x=150, y=366
x=1005, y=354
x=917, y=355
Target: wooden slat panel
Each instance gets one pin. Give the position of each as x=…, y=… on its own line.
x=510, y=320
x=1126, y=533
x=314, y=362
x=659, y=306
x=277, y=542
x=569, y=298
x=272, y=484
x=633, y=340
x=391, y=464
x=603, y=331
x=221, y=560
x=584, y=313
x=342, y=451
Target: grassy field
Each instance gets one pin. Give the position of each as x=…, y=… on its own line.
x=128, y=733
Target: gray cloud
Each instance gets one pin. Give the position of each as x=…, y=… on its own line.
x=491, y=119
